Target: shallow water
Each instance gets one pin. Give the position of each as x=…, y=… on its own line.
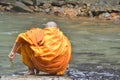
x=93, y=41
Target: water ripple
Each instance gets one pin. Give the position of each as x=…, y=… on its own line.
x=9, y=33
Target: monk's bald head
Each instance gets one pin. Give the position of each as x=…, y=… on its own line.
x=51, y=24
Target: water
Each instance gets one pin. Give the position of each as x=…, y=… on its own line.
x=94, y=42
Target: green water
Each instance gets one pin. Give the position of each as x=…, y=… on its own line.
x=93, y=41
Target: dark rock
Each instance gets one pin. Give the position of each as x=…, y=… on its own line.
x=27, y=2
x=7, y=2
x=19, y=6
x=59, y=4
x=74, y=3
x=37, y=2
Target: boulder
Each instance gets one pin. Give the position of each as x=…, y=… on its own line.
x=19, y=6
x=58, y=4
x=27, y=2
x=7, y=2
x=37, y=2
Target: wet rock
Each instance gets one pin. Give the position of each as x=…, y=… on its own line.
x=19, y=6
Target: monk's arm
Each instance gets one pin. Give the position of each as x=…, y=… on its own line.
x=13, y=51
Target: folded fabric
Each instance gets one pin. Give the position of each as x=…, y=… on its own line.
x=48, y=49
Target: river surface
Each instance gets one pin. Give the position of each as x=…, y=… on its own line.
x=95, y=43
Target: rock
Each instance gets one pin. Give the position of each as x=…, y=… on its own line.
x=58, y=3
x=27, y=2
x=110, y=16
x=116, y=8
x=19, y=6
x=59, y=11
x=8, y=8
x=6, y=2
x=84, y=10
x=115, y=17
x=0, y=7
x=105, y=16
x=46, y=5
x=70, y=12
x=47, y=10
x=37, y=2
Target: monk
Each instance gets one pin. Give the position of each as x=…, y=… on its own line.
x=47, y=50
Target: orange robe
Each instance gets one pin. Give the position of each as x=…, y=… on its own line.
x=47, y=50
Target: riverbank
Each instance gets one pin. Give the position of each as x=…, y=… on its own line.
x=104, y=10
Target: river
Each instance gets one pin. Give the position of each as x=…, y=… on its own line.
x=95, y=43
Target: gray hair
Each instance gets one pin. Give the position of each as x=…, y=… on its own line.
x=51, y=24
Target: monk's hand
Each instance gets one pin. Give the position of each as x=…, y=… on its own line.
x=11, y=56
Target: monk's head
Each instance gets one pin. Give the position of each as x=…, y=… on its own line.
x=51, y=24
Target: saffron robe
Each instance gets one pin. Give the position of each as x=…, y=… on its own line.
x=47, y=50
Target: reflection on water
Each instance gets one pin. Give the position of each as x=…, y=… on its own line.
x=93, y=41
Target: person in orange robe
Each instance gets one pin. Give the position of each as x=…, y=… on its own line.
x=47, y=50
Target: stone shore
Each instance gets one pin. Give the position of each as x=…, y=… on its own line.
x=109, y=9
x=32, y=77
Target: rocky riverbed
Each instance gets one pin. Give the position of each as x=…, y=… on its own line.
x=81, y=72
x=93, y=72
x=30, y=77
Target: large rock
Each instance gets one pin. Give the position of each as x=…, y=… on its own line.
x=28, y=2
x=59, y=4
x=103, y=5
x=6, y=2
x=19, y=6
x=37, y=2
